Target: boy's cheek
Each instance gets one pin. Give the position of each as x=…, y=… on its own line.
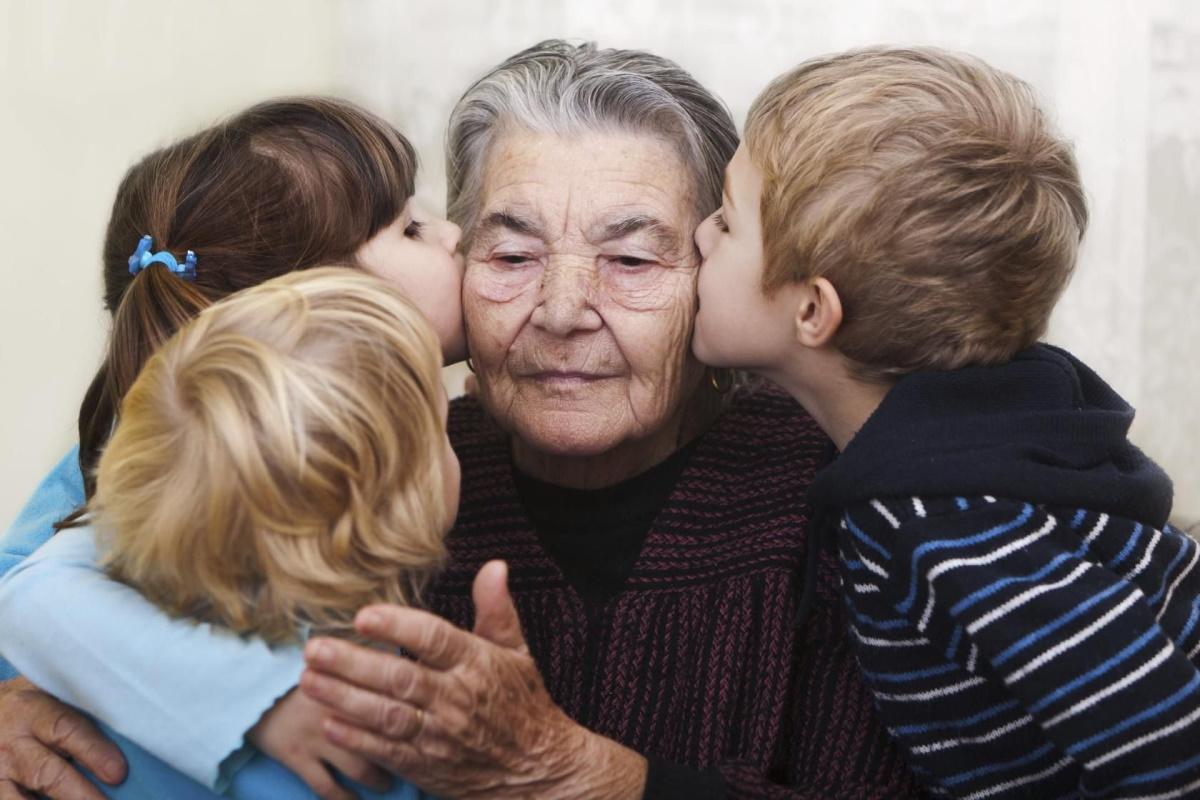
x=706, y=336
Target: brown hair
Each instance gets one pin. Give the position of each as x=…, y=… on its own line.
x=931, y=191
x=287, y=184
x=278, y=462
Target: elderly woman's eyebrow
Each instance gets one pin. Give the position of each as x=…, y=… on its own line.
x=664, y=236
x=509, y=220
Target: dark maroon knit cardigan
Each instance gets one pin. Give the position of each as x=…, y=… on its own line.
x=698, y=661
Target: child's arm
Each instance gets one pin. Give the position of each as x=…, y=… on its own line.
x=98, y=645
x=291, y=732
x=1088, y=622
x=59, y=493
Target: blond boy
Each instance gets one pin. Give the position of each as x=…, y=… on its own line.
x=896, y=229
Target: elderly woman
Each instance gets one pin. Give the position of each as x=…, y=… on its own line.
x=674, y=639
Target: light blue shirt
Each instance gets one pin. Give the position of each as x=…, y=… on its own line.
x=186, y=692
x=59, y=493
x=260, y=778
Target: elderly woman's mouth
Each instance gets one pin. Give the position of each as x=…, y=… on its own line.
x=567, y=379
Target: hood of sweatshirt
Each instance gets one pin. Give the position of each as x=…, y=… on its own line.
x=1043, y=428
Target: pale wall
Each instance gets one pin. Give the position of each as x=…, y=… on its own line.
x=86, y=88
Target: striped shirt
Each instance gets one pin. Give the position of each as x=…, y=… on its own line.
x=1017, y=650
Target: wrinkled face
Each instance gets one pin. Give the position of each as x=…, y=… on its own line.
x=419, y=253
x=579, y=291
x=737, y=324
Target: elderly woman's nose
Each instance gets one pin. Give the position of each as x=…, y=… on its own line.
x=565, y=301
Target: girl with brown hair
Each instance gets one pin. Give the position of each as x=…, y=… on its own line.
x=286, y=185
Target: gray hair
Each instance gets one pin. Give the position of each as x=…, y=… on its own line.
x=561, y=88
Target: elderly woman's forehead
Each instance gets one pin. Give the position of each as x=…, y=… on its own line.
x=610, y=167
x=605, y=225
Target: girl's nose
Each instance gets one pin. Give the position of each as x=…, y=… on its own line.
x=450, y=235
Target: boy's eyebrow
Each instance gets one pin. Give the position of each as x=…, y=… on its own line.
x=665, y=237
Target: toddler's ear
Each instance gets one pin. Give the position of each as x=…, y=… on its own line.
x=818, y=312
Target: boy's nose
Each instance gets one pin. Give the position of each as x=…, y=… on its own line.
x=704, y=235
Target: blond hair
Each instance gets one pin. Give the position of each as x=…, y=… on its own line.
x=278, y=462
x=931, y=191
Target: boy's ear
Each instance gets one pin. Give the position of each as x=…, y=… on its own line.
x=818, y=314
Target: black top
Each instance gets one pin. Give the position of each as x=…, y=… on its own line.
x=1042, y=427
x=595, y=535
x=696, y=661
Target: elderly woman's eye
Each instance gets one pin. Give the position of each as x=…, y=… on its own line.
x=631, y=262
x=515, y=259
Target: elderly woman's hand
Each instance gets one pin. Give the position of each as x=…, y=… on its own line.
x=472, y=717
x=38, y=736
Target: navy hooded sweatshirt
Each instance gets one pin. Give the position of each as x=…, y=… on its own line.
x=1028, y=621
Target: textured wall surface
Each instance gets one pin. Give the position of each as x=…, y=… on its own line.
x=1121, y=78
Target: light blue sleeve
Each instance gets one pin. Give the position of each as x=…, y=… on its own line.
x=187, y=692
x=262, y=778
x=59, y=493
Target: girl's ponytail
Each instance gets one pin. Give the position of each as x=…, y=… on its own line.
x=156, y=303
x=288, y=184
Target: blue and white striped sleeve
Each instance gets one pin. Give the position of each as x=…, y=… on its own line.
x=1090, y=623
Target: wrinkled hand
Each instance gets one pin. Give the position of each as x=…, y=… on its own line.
x=471, y=718
x=291, y=733
x=38, y=735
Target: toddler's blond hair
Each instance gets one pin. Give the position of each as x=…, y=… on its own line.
x=278, y=463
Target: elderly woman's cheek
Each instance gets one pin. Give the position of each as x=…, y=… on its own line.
x=656, y=340
x=496, y=307
x=499, y=282
x=654, y=288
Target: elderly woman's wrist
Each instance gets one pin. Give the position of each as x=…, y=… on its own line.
x=605, y=768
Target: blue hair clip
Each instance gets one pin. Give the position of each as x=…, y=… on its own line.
x=142, y=258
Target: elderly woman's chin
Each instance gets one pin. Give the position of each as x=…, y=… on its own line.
x=571, y=415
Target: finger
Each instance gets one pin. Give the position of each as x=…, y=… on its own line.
x=388, y=717
x=71, y=734
x=321, y=782
x=357, y=768
x=10, y=791
x=427, y=636
x=382, y=673
x=41, y=770
x=495, y=615
x=398, y=756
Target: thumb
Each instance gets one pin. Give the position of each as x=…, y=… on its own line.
x=495, y=615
